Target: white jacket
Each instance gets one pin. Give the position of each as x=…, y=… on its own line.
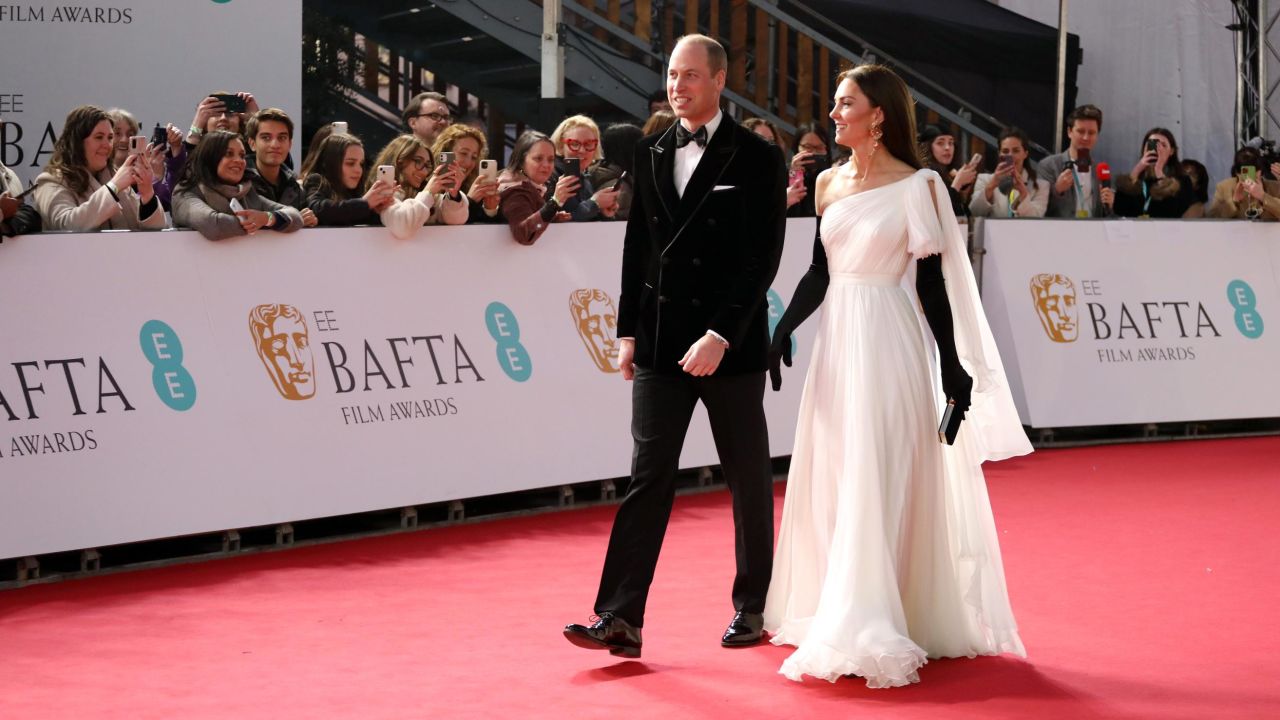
x=1029, y=207
x=62, y=209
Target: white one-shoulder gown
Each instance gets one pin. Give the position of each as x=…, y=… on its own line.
x=888, y=553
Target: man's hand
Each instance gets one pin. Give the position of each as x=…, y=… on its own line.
x=1108, y=197
x=626, y=358
x=1065, y=180
x=703, y=357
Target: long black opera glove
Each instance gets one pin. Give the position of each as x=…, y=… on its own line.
x=932, y=289
x=807, y=298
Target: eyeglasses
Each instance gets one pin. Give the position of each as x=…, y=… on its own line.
x=582, y=145
x=419, y=163
x=436, y=117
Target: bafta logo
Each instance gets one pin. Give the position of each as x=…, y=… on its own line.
x=1055, y=298
x=597, y=323
x=283, y=343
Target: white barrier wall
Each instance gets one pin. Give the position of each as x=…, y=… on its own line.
x=155, y=58
x=1115, y=322
x=158, y=384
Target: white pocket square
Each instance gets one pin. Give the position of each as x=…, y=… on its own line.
x=718, y=188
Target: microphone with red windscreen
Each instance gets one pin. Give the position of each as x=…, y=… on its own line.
x=1104, y=180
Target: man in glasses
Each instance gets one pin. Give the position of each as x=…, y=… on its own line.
x=426, y=115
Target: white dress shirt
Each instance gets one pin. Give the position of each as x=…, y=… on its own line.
x=688, y=156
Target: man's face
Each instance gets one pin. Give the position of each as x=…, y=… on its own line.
x=1057, y=307
x=692, y=89
x=271, y=143
x=286, y=351
x=432, y=117
x=1083, y=134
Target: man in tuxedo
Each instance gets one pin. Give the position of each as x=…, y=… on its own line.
x=702, y=246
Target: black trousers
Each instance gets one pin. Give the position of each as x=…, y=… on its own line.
x=661, y=408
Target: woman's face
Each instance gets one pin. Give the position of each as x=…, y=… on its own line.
x=466, y=154
x=98, y=147
x=414, y=171
x=852, y=114
x=943, y=149
x=123, y=131
x=763, y=131
x=352, y=167
x=1012, y=147
x=1163, y=148
x=540, y=162
x=580, y=143
x=812, y=143
x=231, y=166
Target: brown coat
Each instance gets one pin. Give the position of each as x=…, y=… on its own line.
x=524, y=207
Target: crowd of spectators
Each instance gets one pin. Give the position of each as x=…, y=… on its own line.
x=231, y=174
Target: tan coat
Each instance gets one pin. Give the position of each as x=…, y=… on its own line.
x=1223, y=206
x=62, y=209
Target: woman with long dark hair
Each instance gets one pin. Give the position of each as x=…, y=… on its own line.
x=335, y=185
x=1012, y=190
x=80, y=189
x=214, y=197
x=618, y=145
x=1156, y=187
x=811, y=154
x=888, y=552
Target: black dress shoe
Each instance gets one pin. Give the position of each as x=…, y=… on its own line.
x=608, y=632
x=745, y=629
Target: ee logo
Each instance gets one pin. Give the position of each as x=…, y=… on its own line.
x=505, y=330
x=1242, y=298
x=163, y=349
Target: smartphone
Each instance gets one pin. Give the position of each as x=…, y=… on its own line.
x=625, y=177
x=234, y=103
x=489, y=169
x=820, y=164
x=159, y=136
x=1084, y=160
x=1153, y=145
x=236, y=206
x=388, y=173
x=1249, y=172
x=569, y=166
x=976, y=160
x=340, y=127
x=137, y=145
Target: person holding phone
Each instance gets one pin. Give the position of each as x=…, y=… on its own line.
x=16, y=217
x=577, y=141
x=1013, y=189
x=1156, y=187
x=337, y=190
x=217, y=199
x=421, y=196
x=81, y=190
x=525, y=205
x=811, y=156
x=1246, y=195
x=938, y=148
x=470, y=150
x=614, y=170
x=221, y=111
x=1073, y=190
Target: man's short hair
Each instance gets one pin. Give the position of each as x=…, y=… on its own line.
x=1085, y=112
x=269, y=114
x=415, y=105
x=717, y=58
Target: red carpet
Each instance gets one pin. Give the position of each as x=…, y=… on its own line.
x=1143, y=576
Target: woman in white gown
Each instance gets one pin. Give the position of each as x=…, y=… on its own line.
x=888, y=553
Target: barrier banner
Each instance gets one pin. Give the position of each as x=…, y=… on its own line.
x=159, y=384
x=1123, y=321
x=155, y=58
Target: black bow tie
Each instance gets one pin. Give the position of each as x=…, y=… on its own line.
x=684, y=137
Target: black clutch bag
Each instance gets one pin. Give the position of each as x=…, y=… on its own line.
x=950, y=424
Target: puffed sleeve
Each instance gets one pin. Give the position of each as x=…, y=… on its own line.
x=924, y=231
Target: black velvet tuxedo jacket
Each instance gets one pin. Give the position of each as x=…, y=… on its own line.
x=703, y=261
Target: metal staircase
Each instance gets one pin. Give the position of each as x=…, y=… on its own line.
x=486, y=54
